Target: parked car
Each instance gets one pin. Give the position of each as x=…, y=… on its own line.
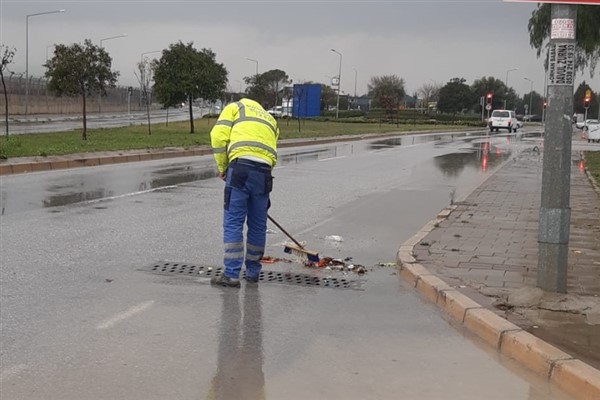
x=581, y=124
x=504, y=119
x=592, y=132
x=276, y=111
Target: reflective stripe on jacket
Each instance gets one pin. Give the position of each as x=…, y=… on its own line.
x=244, y=128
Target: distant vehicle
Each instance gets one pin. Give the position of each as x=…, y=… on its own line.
x=581, y=124
x=504, y=119
x=592, y=132
x=276, y=111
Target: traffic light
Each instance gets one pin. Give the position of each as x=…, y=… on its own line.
x=545, y=104
x=587, y=99
x=488, y=98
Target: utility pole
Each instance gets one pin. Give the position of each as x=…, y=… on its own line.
x=555, y=212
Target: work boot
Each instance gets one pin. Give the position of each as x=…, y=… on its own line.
x=251, y=280
x=224, y=281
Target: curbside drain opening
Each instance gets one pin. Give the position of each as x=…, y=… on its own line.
x=203, y=271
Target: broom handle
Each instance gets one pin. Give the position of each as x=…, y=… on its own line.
x=284, y=231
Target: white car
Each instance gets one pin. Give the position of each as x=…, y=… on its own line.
x=581, y=124
x=592, y=132
x=276, y=111
x=504, y=119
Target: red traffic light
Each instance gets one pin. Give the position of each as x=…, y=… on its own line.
x=545, y=104
x=489, y=96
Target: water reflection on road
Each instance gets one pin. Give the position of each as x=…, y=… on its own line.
x=463, y=151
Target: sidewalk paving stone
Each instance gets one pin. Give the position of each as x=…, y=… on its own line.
x=493, y=235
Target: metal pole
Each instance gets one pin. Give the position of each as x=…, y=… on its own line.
x=100, y=93
x=27, y=53
x=255, y=61
x=506, y=84
x=530, y=91
x=337, y=107
x=555, y=213
x=355, y=75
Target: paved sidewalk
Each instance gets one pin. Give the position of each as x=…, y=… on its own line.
x=487, y=248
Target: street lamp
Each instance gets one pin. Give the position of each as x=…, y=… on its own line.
x=112, y=37
x=47, y=48
x=100, y=94
x=27, y=51
x=355, y=75
x=255, y=61
x=506, y=83
x=148, y=52
x=530, y=92
x=337, y=108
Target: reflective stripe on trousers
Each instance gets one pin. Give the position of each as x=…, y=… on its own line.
x=247, y=189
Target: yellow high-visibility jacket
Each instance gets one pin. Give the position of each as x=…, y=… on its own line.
x=244, y=129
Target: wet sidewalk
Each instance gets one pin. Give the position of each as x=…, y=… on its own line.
x=487, y=249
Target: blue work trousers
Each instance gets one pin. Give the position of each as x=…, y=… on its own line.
x=247, y=187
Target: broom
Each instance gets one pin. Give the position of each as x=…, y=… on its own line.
x=296, y=248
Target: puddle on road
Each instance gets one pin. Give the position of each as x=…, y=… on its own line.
x=478, y=152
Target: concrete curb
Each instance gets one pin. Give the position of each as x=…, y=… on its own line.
x=574, y=376
x=67, y=162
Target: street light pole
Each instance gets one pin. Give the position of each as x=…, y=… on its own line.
x=530, y=91
x=27, y=52
x=112, y=37
x=355, y=74
x=506, y=84
x=100, y=94
x=254, y=61
x=337, y=108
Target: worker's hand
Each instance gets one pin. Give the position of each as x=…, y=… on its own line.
x=222, y=176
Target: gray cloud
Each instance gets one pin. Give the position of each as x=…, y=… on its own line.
x=421, y=41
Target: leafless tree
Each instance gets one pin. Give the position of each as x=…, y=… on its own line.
x=144, y=77
x=429, y=92
x=6, y=54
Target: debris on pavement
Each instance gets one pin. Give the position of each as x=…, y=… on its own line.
x=334, y=238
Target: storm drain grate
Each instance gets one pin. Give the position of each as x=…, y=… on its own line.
x=195, y=271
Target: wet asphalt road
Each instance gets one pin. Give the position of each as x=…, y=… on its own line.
x=61, y=123
x=82, y=318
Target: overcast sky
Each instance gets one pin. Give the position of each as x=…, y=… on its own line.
x=420, y=41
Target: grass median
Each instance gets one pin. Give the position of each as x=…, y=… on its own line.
x=592, y=163
x=176, y=134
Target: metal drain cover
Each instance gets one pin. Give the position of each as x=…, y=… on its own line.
x=203, y=271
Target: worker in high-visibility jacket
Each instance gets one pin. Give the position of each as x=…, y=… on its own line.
x=244, y=142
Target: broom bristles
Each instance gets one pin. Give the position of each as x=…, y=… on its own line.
x=309, y=255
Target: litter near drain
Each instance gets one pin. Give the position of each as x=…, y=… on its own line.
x=204, y=271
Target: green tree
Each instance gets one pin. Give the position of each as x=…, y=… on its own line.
x=80, y=70
x=455, y=96
x=328, y=97
x=387, y=92
x=183, y=74
x=265, y=87
x=535, y=99
x=587, y=34
x=256, y=88
x=6, y=58
x=481, y=87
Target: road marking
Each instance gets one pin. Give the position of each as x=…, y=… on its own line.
x=12, y=371
x=333, y=158
x=120, y=317
x=121, y=196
